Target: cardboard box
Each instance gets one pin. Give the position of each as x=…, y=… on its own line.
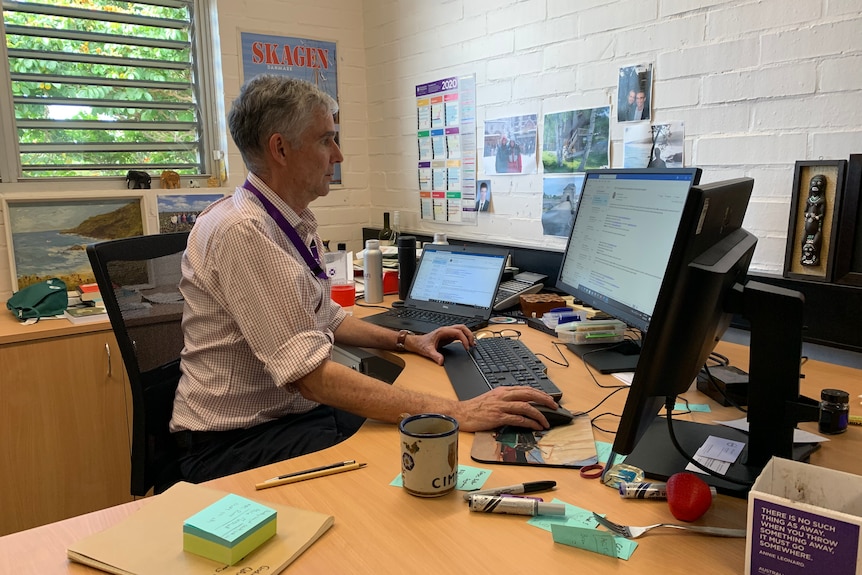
x=535, y=304
x=803, y=519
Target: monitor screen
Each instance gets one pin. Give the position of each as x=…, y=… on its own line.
x=619, y=248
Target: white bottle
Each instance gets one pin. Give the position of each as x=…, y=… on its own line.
x=440, y=239
x=396, y=227
x=373, y=272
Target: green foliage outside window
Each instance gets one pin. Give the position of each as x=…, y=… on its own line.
x=101, y=87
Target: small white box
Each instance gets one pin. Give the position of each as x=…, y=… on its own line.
x=803, y=519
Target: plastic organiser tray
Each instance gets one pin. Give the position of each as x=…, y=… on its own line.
x=590, y=332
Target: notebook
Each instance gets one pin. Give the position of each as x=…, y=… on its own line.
x=150, y=541
x=452, y=284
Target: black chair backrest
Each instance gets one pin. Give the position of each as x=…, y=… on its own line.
x=139, y=279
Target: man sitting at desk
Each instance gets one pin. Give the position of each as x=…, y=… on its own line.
x=258, y=383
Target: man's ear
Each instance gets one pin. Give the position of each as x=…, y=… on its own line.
x=278, y=148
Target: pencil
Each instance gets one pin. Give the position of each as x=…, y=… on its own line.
x=309, y=474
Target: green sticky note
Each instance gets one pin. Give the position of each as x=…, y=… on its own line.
x=603, y=449
x=584, y=538
x=469, y=478
x=229, y=520
x=579, y=518
x=692, y=407
x=229, y=529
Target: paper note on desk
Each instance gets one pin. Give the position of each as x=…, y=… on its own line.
x=799, y=436
x=469, y=478
x=588, y=539
x=574, y=529
x=150, y=541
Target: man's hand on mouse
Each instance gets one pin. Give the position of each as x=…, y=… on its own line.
x=504, y=406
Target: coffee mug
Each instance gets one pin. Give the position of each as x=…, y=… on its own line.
x=429, y=454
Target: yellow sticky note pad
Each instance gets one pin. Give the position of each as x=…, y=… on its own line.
x=229, y=529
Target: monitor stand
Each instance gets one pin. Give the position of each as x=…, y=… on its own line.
x=610, y=357
x=659, y=459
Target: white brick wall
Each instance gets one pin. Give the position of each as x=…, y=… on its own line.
x=759, y=85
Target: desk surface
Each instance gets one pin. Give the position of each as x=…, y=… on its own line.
x=381, y=529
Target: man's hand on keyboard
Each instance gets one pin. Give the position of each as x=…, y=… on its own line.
x=429, y=344
x=504, y=406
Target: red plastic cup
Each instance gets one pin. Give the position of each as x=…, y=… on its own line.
x=344, y=295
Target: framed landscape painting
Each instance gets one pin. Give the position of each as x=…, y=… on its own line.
x=47, y=237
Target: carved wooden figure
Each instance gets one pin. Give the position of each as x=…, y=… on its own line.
x=170, y=180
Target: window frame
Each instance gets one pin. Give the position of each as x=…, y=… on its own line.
x=206, y=77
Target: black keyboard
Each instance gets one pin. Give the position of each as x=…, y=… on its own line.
x=436, y=317
x=493, y=362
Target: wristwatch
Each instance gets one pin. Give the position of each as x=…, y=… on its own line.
x=402, y=337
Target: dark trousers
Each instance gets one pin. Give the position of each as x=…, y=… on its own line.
x=205, y=455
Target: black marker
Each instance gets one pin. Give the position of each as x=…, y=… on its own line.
x=529, y=487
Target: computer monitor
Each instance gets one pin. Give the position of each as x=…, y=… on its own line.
x=703, y=287
x=619, y=248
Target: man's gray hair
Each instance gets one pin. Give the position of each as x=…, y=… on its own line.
x=269, y=104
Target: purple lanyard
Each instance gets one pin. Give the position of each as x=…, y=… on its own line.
x=309, y=257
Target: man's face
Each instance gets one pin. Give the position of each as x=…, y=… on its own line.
x=641, y=99
x=483, y=192
x=311, y=165
x=631, y=97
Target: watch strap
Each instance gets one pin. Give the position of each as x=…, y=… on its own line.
x=402, y=337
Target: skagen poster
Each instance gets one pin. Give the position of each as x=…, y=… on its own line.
x=311, y=60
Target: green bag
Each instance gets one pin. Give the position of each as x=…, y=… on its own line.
x=43, y=299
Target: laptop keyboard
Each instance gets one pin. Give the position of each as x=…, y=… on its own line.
x=436, y=317
x=494, y=362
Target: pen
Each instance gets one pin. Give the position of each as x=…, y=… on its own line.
x=529, y=487
x=310, y=474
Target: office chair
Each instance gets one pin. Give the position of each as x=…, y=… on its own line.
x=138, y=278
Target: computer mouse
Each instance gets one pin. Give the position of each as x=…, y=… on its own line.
x=555, y=417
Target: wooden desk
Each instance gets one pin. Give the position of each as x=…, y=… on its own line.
x=381, y=529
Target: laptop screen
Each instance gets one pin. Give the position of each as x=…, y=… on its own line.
x=458, y=275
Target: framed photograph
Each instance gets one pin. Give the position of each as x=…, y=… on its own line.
x=178, y=212
x=848, y=252
x=812, y=233
x=48, y=237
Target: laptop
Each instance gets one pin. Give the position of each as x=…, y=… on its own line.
x=452, y=285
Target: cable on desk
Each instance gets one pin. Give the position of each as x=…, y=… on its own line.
x=596, y=426
x=687, y=409
x=556, y=345
x=373, y=306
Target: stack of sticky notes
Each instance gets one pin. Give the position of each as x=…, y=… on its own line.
x=229, y=529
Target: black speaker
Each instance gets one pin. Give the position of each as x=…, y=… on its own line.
x=406, y=264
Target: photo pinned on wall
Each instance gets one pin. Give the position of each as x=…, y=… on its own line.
x=813, y=227
x=576, y=140
x=483, y=196
x=634, y=93
x=178, y=213
x=654, y=146
x=560, y=197
x=48, y=238
x=668, y=145
x=510, y=145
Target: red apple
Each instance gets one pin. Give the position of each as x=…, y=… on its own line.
x=688, y=496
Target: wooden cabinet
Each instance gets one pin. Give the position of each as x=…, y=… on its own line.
x=65, y=415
